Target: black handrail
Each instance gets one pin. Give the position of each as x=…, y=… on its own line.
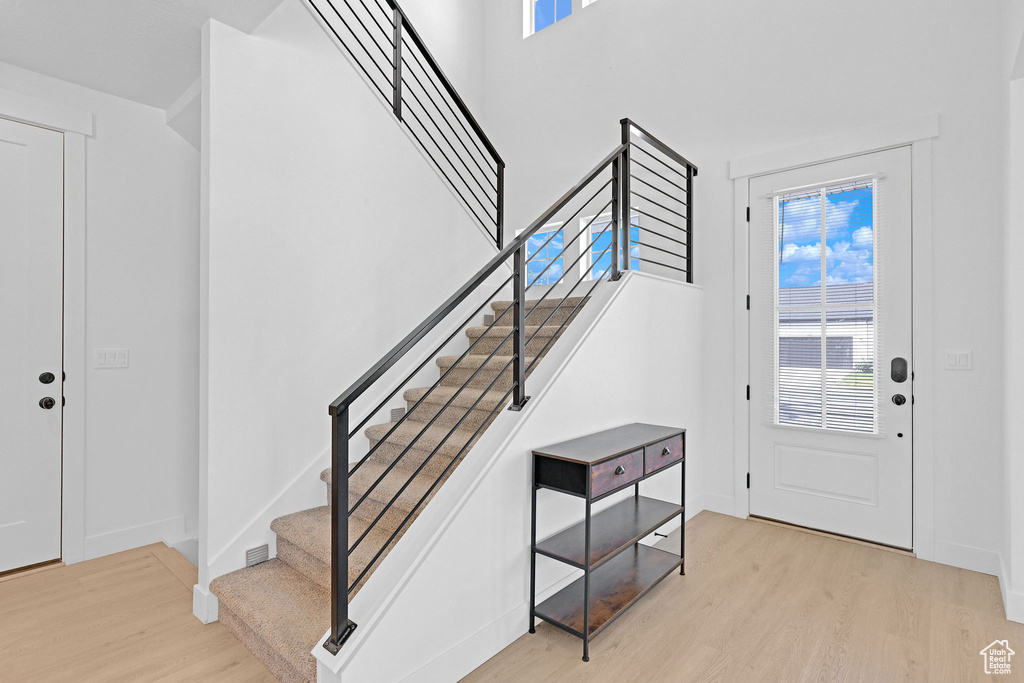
x=514, y=254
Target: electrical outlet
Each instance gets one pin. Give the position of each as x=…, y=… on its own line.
x=959, y=359
x=111, y=359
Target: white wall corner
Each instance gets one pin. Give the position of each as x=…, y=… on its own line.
x=185, y=116
x=137, y=536
x=963, y=556
x=205, y=605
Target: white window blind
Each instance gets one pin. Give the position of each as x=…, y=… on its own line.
x=825, y=365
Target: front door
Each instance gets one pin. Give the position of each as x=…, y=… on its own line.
x=831, y=372
x=31, y=359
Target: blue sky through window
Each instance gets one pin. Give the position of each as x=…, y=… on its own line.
x=604, y=241
x=539, y=255
x=849, y=239
x=547, y=12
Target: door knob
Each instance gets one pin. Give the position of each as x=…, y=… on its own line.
x=47, y=403
x=47, y=378
x=899, y=399
x=620, y=470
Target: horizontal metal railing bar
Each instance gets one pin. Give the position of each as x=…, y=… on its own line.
x=434, y=386
x=653, y=172
x=422, y=365
x=455, y=151
x=564, y=248
x=661, y=146
x=575, y=309
x=658, y=189
x=578, y=281
x=394, y=463
x=570, y=219
x=459, y=119
x=344, y=44
x=660, y=206
x=439, y=478
x=484, y=222
x=655, y=232
x=462, y=142
x=392, y=357
x=369, y=34
x=659, y=263
x=660, y=220
x=661, y=161
x=651, y=246
x=436, y=68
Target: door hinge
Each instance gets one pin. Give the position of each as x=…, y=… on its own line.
x=748, y=480
x=748, y=214
x=748, y=302
x=748, y=392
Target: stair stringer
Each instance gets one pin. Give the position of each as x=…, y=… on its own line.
x=383, y=648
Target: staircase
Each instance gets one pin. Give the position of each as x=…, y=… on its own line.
x=280, y=609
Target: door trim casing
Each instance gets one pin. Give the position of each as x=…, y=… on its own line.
x=917, y=134
x=76, y=124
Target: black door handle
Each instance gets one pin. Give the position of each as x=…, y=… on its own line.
x=47, y=403
x=899, y=399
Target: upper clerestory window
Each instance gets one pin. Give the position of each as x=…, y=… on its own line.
x=543, y=13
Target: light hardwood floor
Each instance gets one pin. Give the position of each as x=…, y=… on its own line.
x=126, y=617
x=761, y=602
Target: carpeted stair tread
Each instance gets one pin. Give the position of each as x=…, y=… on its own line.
x=413, y=433
x=286, y=610
x=531, y=304
x=502, y=331
x=463, y=399
x=474, y=361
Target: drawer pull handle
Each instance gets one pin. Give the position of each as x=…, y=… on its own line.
x=666, y=451
x=620, y=470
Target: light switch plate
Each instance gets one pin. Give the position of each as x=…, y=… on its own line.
x=111, y=359
x=959, y=359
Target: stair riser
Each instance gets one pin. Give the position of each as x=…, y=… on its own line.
x=540, y=315
x=461, y=377
x=265, y=653
x=487, y=344
x=450, y=416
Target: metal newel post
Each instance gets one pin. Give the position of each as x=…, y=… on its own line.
x=501, y=205
x=689, y=223
x=397, y=103
x=615, y=274
x=624, y=177
x=519, y=397
x=341, y=625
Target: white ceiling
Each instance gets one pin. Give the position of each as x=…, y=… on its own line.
x=143, y=50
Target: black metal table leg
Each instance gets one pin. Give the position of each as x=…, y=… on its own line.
x=533, y=555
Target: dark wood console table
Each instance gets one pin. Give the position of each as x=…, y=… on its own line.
x=617, y=569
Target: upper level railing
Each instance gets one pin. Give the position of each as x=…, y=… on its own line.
x=553, y=264
x=380, y=39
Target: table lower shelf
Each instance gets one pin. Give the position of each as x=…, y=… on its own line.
x=614, y=586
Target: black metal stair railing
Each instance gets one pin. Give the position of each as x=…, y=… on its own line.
x=382, y=41
x=597, y=231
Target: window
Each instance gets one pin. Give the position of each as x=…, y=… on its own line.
x=543, y=13
x=544, y=264
x=825, y=307
x=600, y=257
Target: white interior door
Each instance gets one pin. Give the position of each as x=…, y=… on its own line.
x=831, y=396
x=31, y=319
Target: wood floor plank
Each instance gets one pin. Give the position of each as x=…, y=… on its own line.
x=763, y=602
x=125, y=617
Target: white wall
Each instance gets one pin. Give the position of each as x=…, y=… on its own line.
x=453, y=32
x=142, y=217
x=1013, y=570
x=473, y=575
x=326, y=238
x=720, y=81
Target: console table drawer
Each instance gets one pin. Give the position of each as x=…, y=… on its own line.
x=612, y=474
x=663, y=454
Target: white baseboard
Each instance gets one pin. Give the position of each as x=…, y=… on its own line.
x=205, y=605
x=969, y=557
x=724, y=505
x=133, y=537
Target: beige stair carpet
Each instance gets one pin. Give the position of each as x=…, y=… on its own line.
x=281, y=608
